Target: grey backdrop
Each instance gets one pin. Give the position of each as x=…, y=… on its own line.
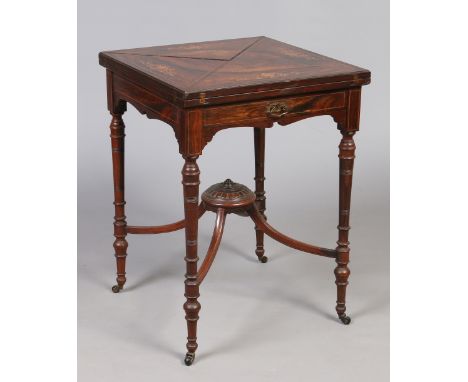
x=271, y=322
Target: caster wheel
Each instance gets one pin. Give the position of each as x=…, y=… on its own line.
x=263, y=259
x=116, y=289
x=345, y=320
x=189, y=358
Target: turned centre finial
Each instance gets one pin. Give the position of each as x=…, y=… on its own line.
x=228, y=184
x=228, y=194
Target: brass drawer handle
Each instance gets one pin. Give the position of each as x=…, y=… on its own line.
x=277, y=109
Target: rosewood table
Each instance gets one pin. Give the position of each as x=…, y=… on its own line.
x=201, y=88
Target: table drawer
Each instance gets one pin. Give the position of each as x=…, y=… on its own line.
x=277, y=110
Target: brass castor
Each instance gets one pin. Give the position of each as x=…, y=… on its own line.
x=189, y=358
x=345, y=319
x=116, y=289
x=263, y=259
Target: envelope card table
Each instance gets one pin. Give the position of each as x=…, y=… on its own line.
x=202, y=88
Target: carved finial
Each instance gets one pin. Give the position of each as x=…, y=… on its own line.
x=227, y=194
x=228, y=184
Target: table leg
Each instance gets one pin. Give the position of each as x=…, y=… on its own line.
x=191, y=181
x=342, y=272
x=117, y=128
x=259, y=142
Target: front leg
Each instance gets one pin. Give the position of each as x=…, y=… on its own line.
x=117, y=128
x=191, y=181
x=342, y=272
x=259, y=146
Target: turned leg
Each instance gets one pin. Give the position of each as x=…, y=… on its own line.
x=259, y=142
x=346, y=155
x=191, y=181
x=117, y=128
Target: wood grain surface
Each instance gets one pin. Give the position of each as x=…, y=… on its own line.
x=217, y=72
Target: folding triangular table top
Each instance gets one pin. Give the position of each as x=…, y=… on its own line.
x=214, y=71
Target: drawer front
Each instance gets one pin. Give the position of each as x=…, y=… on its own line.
x=277, y=110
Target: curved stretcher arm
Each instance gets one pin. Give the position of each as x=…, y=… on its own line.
x=163, y=228
x=214, y=245
x=286, y=240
